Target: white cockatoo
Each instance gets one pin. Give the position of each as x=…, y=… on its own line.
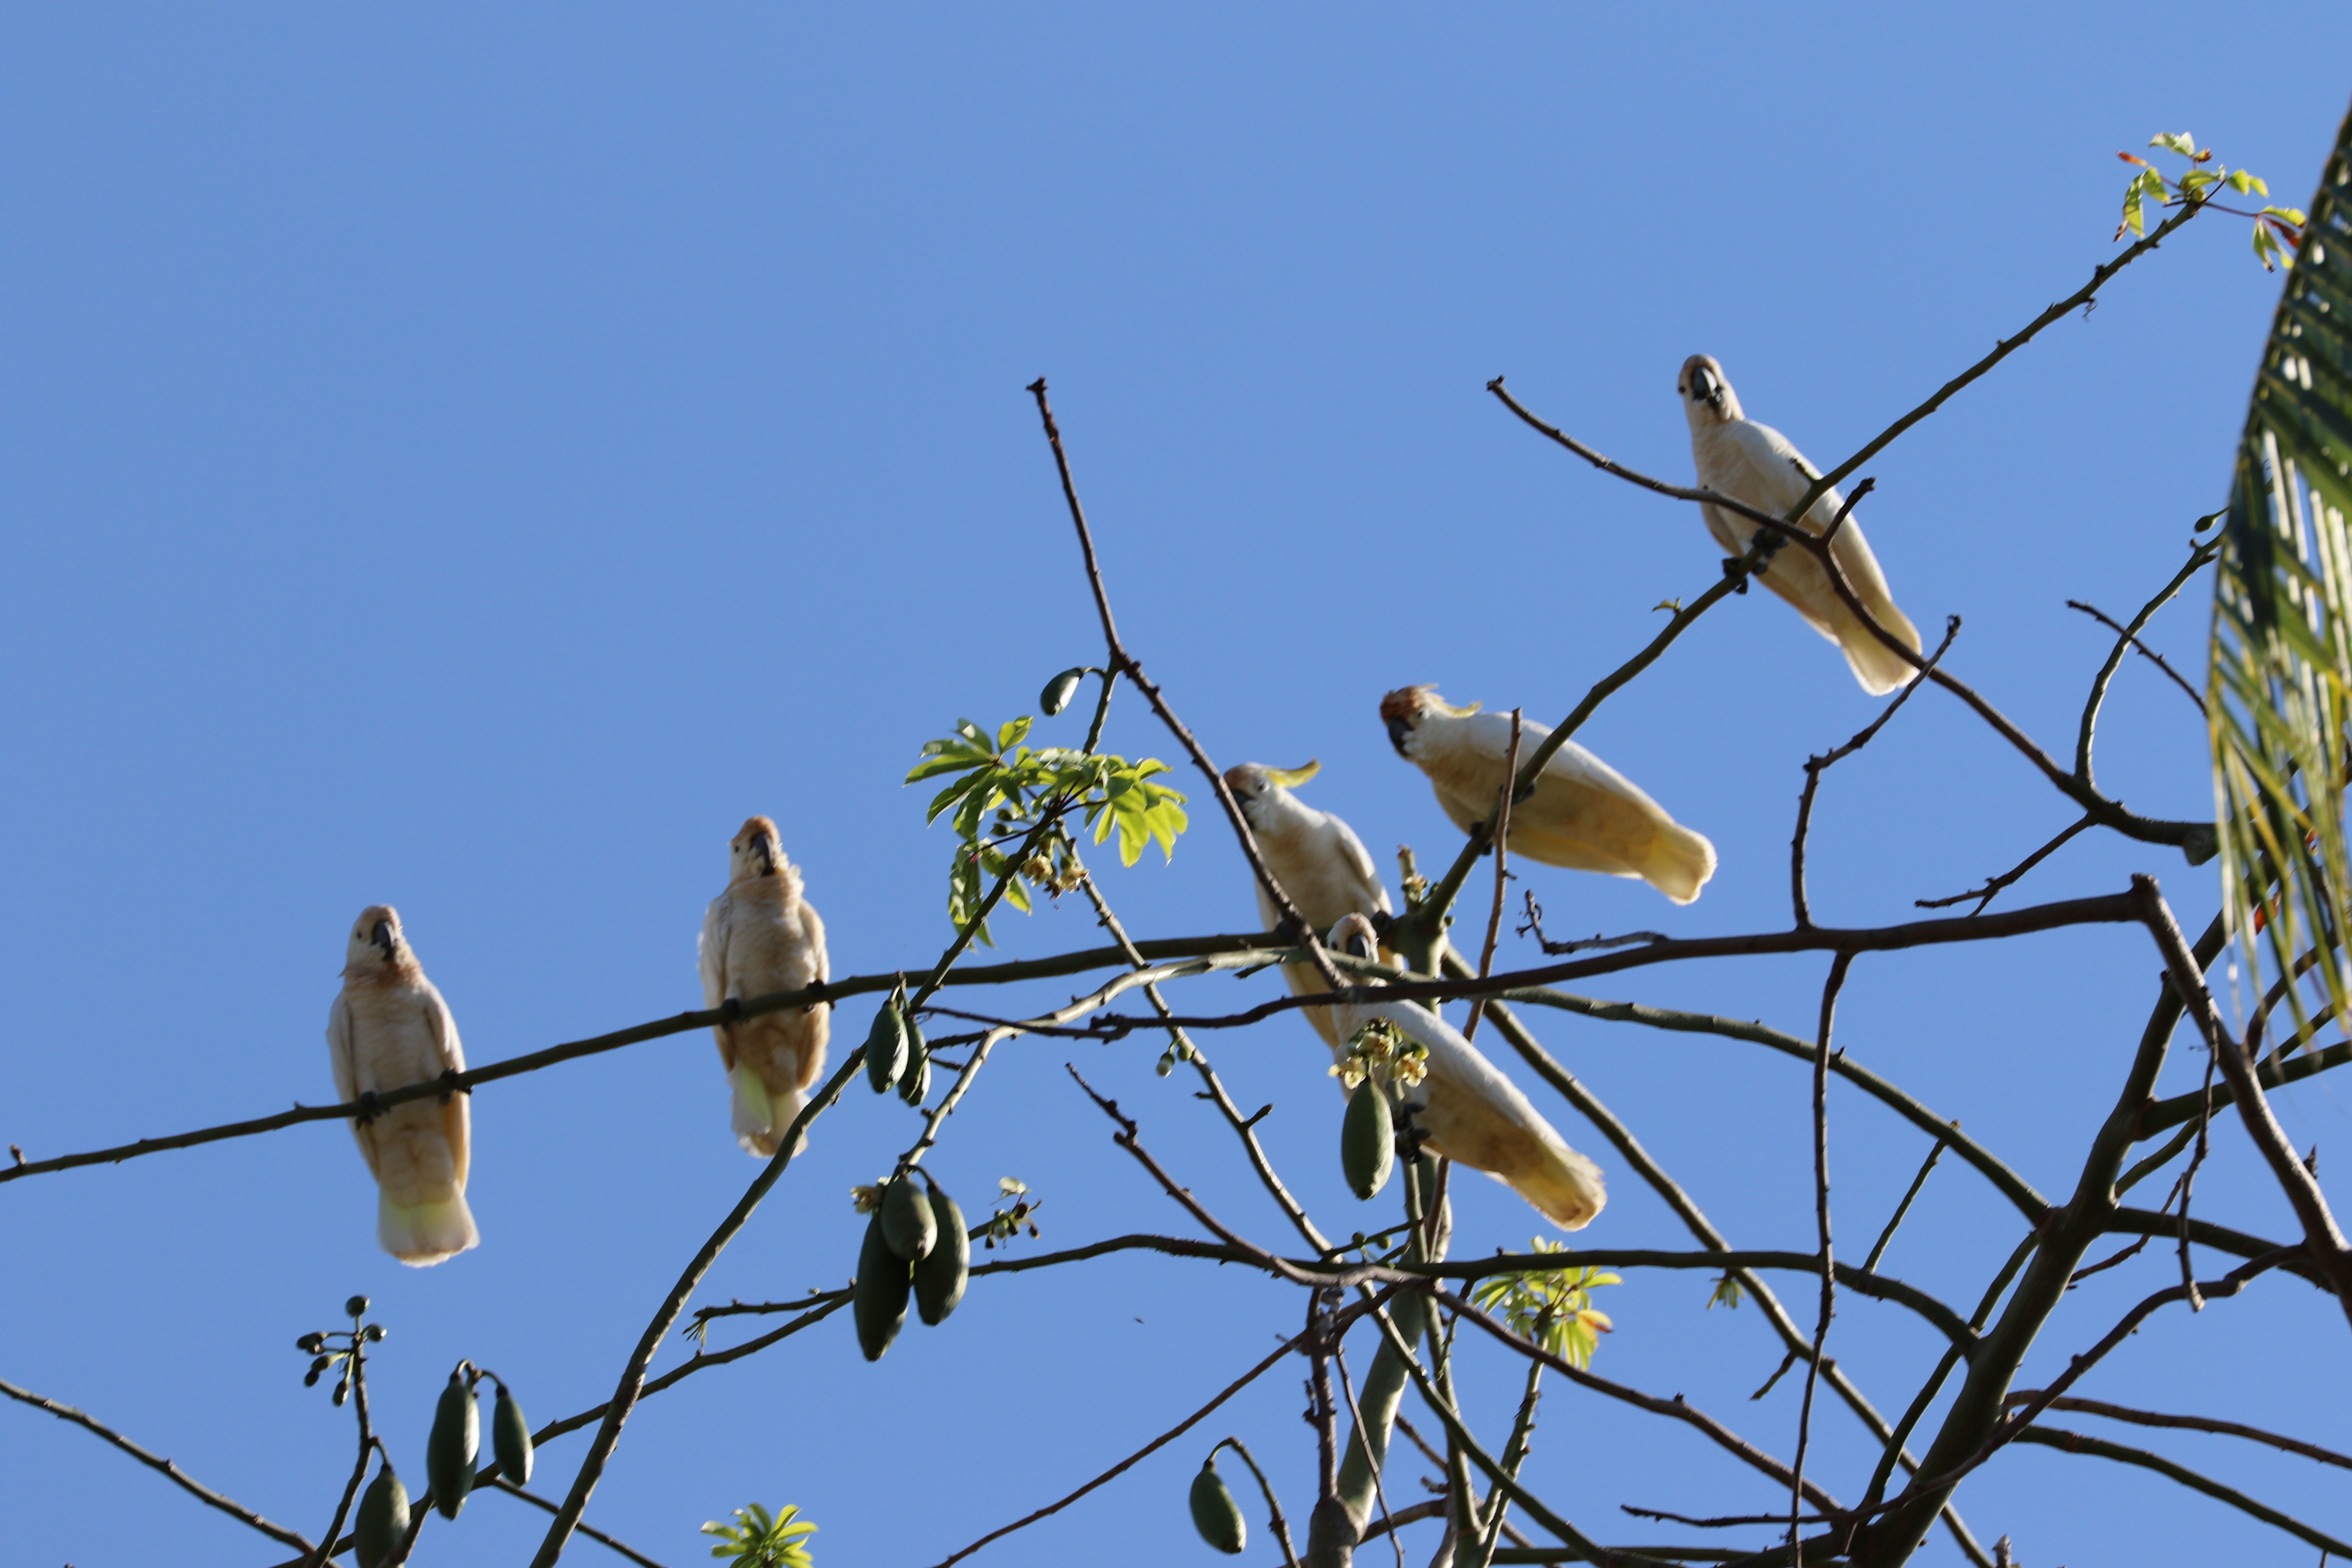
x=1584, y=815
x=1318, y=859
x=759, y=937
x=1755, y=463
x=389, y=1028
x=1472, y=1114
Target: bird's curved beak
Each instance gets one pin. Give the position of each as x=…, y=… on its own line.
x=1398, y=731
x=767, y=850
x=384, y=939
x=1706, y=388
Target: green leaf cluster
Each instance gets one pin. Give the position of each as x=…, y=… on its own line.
x=2279, y=686
x=2273, y=225
x=1001, y=794
x=1553, y=1308
x=761, y=1540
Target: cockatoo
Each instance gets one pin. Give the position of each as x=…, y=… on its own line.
x=1584, y=814
x=1318, y=859
x=389, y=1028
x=1755, y=463
x=1472, y=1114
x=759, y=937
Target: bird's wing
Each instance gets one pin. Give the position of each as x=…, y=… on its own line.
x=342, y=1052
x=443, y=1027
x=338, y=1050
x=710, y=952
x=813, y=933
x=1763, y=467
x=457, y=1119
x=1359, y=860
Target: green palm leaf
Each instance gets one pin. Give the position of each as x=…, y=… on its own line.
x=2279, y=685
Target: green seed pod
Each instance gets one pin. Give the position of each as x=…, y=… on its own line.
x=908, y=1225
x=1367, y=1140
x=1215, y=1514
x=357, y=1307
x=1060, y=689
x=886, y=1046
x=879, y=1304
x=940, y=1277
x=450, y=1450
x=382, y=1517
x=915, y=1084
x=510, y=1438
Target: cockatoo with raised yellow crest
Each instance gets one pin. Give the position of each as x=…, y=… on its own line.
x=1753, y=463
x=759, y=937
x=388, y=1029
x=1318, y=859
x=1584, y=814
x=1472, y=1114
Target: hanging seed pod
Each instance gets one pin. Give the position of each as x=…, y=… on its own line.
x=886, y=1046
x=1214, y=1514
x=382, y=1517
x=879, y=1302
x=455, y=1439
x=908, y=1225
x=1059, y=690
x=1367, y=1140
x=510, y=1438
x=940, y=1277
x=915, y=1084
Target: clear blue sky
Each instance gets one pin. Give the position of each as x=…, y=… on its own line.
x=472, y=459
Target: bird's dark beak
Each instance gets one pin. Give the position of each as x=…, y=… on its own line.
x=384, y=939
x=1361, y=947
x=767, y=857
x=1398, y=731
x=1706, y=389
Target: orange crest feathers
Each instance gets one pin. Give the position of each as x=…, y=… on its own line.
x=1411, y=701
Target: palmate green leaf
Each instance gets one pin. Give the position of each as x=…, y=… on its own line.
x=2279, y=680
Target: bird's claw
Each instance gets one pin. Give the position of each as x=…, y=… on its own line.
x=369, y=1108
x=732, y=1009
x=449, y=1085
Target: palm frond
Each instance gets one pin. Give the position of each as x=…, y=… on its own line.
x=2280, y=683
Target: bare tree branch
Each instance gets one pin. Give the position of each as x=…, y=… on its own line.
x=179, y=1478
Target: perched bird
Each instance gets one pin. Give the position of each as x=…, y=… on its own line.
x=1755, y=463
x=389, y=1028
x=1318, y=859
x=1472, y=1114
x=759, y=937
x=1584, y=815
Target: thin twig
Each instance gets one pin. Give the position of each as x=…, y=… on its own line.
x=1120, y=1468
x=590, y=1532
x=1836, y=984
x=1678, y=1408
x=633, y=1375
x=2302, y=1188
x=2200, y=556
x=2129, y=637
x=1816, y=766
x=1994, y=884
x=1120, y=660
x=1502, y=870
x=2077, y=1443
x=1894, y=1221
x=178, y=1476
x=2187, y=1422
x=1356, y=1413
x=1279, y=1525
